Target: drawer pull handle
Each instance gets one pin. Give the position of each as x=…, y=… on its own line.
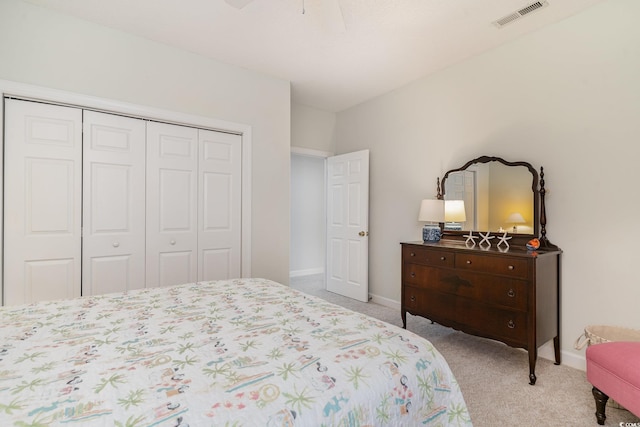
x=412, y=254
x=443, y=258
x=413, y=274
x=511, y=267
x=511, y=293
x=413, y=298
x=511, y=324
x=469, y=261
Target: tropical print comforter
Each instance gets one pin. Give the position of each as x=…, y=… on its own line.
x=248, y=352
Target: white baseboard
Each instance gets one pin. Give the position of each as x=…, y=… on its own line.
x=307, y=272
x=566, y=358
x=387, y=302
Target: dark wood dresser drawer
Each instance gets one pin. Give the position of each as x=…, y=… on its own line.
x=505, y=265
x=506, y=325
x=435, y=306
x=493, y=290
x=427, y=256
x=467, y=315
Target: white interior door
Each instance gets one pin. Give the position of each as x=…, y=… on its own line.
x=219, y=207
x=113, y=246
x=42, y=191
x=172, y=208
x=348, y=225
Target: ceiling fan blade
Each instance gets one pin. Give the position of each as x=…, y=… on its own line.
x=238, y=4
x=332, y=17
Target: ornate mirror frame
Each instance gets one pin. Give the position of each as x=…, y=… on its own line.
x=537, y=188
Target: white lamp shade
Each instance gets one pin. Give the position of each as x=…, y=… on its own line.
x=515, y=218
x=454, y=211
x=431, y=210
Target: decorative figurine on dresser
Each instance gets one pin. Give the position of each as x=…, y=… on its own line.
x=504, y=291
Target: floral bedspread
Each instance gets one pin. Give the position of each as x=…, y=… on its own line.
x=247, y=352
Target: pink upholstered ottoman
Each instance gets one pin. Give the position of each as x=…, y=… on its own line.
x=613, y=369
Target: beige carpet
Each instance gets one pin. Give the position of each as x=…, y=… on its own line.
x=494, y=378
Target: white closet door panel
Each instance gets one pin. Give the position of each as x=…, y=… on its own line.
x=219, y=211
x=49, y=196
x=176, y=200
x=106, y=274
x=113, y=203
x=175, y=267
x=50, y=279
x=42, y=217
x=217, y=264
x=172, y=204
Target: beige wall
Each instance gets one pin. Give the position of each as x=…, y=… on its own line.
x=567, y=98
x=47, y=49
x=312, y=128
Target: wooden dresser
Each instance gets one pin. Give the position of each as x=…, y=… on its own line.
x=511, y=296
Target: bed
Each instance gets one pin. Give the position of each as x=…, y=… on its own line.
x=246, y=352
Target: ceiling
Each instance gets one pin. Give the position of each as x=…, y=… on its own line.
x=333, y=61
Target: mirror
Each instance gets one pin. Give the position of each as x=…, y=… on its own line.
x=497, y=195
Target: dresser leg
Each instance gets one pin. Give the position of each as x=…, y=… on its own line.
x=532, y=366
x=556, y=348
x=404, y=318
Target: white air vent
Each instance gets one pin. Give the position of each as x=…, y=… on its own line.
x=238, y=4
x=520, y=13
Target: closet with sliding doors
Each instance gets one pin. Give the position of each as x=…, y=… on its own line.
x=97, y=202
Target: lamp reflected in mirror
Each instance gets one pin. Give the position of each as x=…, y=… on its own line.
x=454, y=214
x=515, y=218
x=431, y=212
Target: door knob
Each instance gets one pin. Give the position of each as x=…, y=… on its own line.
x=363, y=233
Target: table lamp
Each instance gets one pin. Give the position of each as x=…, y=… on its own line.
x=515, y=218
x=454, y=212
x=431, y=212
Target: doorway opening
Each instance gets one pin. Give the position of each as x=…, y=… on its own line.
x=307, y=258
